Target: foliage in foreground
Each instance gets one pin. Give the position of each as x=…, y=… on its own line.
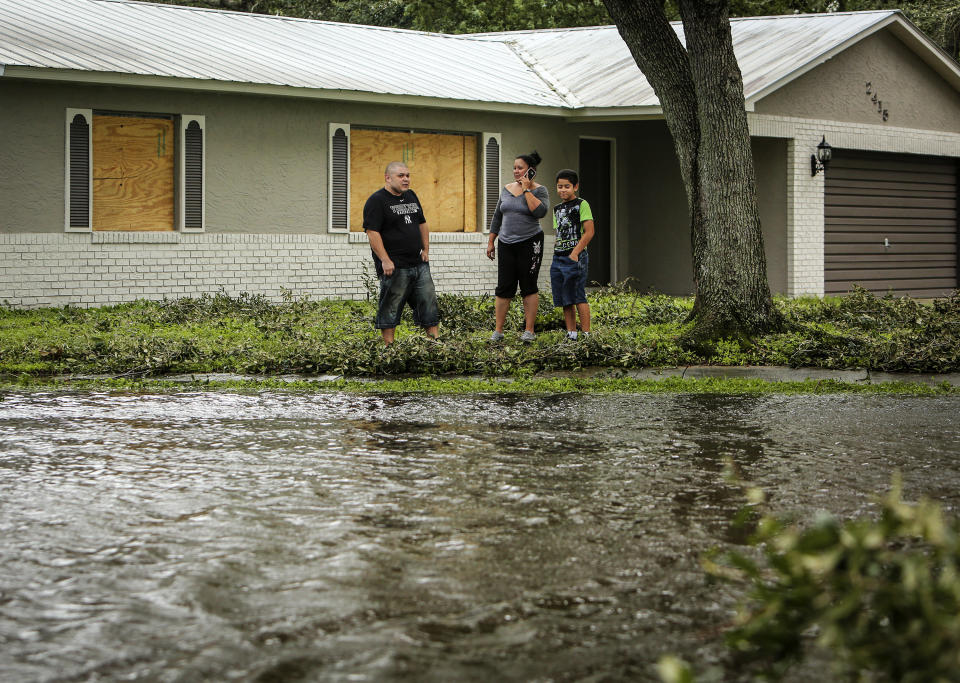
x=250, y=335
x=882, y=596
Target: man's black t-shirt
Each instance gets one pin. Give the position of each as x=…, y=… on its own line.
x=397, y=219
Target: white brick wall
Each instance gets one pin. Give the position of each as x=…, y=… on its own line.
x=805, y=228
x=93, y=269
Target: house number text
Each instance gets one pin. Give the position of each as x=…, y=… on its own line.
x=875, y=99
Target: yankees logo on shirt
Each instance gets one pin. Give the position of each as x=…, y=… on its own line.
x=398, y=219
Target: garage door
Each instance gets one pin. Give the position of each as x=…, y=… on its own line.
x=890, y=224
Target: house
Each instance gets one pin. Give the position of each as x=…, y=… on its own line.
x=151, y=151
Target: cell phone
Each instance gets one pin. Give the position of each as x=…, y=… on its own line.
x=531, y=173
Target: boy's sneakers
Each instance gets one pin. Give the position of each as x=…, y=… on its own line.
x=572, y=335
x=527, y=336
x=496, y=336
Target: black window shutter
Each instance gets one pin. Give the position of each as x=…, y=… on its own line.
x=79, y=172
x=339, y=180
x=491, y=167
x=193, y=177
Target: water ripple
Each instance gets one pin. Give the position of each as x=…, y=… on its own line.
x=289, y=536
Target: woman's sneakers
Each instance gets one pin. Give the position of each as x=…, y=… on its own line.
x=527, y=336
x=572, y=335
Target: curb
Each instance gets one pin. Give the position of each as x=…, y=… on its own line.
x=766, y=373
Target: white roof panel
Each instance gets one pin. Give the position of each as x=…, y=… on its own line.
x=771, y=49
x=121, y=36
x=596, y=66
x=559, y=69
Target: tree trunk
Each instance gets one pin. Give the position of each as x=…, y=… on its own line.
x=701, y=91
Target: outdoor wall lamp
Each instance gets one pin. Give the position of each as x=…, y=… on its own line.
x=819, y=161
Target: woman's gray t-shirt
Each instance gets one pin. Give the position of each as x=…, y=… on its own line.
x=513, y=221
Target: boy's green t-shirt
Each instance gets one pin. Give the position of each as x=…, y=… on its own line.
x=568, y=219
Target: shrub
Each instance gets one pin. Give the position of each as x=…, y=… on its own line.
x=249, y=333
x=859, y=309
x=881, y=595
x=882, y=333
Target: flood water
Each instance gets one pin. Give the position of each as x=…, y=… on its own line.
x=218, y=536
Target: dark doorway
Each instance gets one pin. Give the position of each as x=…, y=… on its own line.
x=596, y=188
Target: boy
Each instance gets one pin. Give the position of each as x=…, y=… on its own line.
x=573, y=221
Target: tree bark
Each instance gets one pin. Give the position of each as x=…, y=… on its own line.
x=700, y=88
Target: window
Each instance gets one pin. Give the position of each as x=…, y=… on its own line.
x=139, y=172
x=444, y=169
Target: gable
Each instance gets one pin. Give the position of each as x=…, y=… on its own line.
x=912, y=94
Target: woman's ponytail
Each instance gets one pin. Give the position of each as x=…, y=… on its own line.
x=533, y=159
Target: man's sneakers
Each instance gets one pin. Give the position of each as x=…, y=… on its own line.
x=496, y=336
x=527, y=336
x=572, y=335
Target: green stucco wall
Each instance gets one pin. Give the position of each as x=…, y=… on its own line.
x=657, y=240
x=266, y=166
x=266, y=157
x=31, y=159
x=770, y=164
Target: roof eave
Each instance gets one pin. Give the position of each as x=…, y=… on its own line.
x=597, y=114
x=212, y=85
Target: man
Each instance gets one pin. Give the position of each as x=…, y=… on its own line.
x=400, y=242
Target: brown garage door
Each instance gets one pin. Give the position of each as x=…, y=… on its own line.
x=890, y=224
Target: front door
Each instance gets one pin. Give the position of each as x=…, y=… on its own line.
x=596, y=187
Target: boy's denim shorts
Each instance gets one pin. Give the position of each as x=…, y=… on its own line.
x=412, y=285
x=568, y=279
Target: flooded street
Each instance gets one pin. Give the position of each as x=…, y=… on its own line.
x=287, y=536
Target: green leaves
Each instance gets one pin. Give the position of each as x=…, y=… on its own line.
x=503, y=15
x=881, y=595
x=251, y=334
x=880, y=333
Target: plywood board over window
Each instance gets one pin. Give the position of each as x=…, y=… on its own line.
x=443, y=173
x=133, y=173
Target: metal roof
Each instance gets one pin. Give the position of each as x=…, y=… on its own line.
x=554, y=70
x=121, y=36
x=597, y=68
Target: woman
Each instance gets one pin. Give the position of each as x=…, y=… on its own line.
x=516, y=223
